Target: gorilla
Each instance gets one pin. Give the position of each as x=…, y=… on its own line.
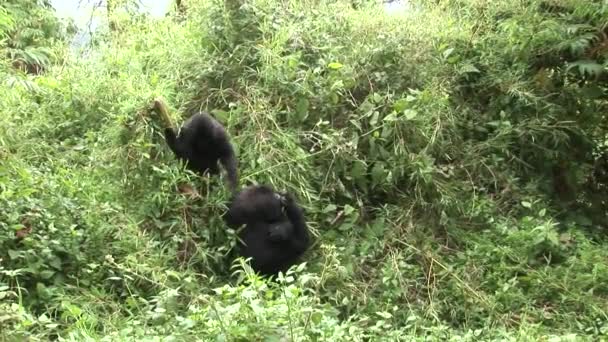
x=201, y=142
x=275, y=233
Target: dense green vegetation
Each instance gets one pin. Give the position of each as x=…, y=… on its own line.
x=452, y=161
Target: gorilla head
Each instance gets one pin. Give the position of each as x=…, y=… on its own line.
x=201, y=143
x=275, y=233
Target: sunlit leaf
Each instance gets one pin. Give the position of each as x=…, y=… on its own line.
x=334, y=65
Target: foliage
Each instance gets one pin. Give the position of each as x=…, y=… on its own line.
x=31, y=29
x=454, y=174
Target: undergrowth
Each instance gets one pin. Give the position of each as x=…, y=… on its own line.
x=451, y=160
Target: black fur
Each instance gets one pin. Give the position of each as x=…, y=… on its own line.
x=275, y=235
x=201, y=143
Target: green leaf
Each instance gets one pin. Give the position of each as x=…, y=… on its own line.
x=378, y=173
x=345, y=226
x=292, y=63
x=338, y=85
x=587, y=67
x=447, y=52
x=329, y=208
x=348, y=210
x=358, y=170
x=74, y=310
x=334, y=98
x=384, y=314
x=392, y=116
x=374, y=120
x=55, y=263
x=47, y=274
x=377, y=98
x=387, y=132
x=553, y=237
x=400, y=105
x=469, y=69
x=220, y=115
x=302, y=109
x=526, y=204
x=13, y=254
x=335, y=65
x=316, y=317
x=187, y=323
x=366, y=107
x=378, y=227
x=410, y=114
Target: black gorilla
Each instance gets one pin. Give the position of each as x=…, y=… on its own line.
x=275, y=235
x=202, y=142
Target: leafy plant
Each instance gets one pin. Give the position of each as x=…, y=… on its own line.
x=451, y=160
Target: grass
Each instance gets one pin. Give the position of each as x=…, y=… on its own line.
x=423, y=154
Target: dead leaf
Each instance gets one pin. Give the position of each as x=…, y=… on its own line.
x=188, y=190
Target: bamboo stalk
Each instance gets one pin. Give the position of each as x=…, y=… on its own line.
x=161, y=109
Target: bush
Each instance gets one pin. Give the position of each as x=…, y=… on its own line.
x=452, y=174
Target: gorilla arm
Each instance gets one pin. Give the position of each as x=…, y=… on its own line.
x=171, y=138
x=299, y=239
x=230, y=163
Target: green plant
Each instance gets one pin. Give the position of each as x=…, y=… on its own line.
x=453, y=173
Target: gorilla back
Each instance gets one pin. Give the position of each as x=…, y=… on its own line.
x=201, y=143
x=273, y=239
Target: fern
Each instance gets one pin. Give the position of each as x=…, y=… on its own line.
x=578, y=45
x=587, y=68
x=6, y=23
x=576, y=28
x=579, y=38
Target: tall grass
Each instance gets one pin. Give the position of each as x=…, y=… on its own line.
x=434, y=151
